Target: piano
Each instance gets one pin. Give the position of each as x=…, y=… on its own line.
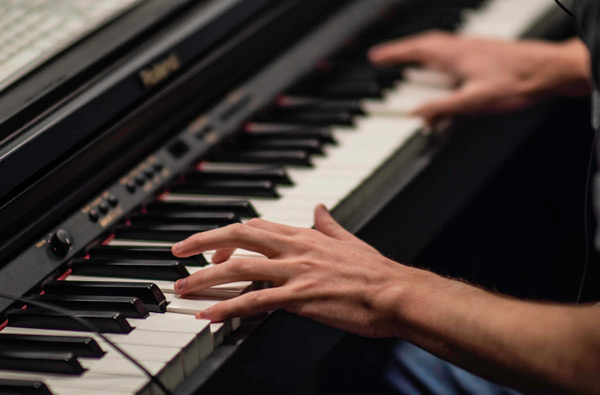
x=214, y=113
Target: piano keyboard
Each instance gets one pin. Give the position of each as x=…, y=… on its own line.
x=321, y=140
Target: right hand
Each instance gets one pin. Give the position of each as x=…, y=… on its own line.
x=495, y=76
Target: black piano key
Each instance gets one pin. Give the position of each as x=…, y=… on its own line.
x=129, y=306
x=161, y=232
x=220, y=219
x=308, y=117
x=277, y=157
x=151, y=270
x=277, y=175
x=242, y=208
x=40, y=361
x=143, y=253
x=80, y=346
x=103, y=321
x=353, y=107
x=325, y=135
x=350, y=90
x=250, y=188
x=363, y=67
x=148, y=293
x=23, y=387
x=312, y=146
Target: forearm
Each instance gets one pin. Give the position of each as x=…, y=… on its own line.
x=566, y=71
x=530, y=346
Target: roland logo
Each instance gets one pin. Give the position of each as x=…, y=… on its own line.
x=160, y=70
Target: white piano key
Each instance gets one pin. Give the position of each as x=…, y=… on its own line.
x=170, y=359
x=429, y=77
x=188, y=304
x=192, y=347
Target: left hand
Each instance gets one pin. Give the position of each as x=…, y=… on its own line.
x=326, y=274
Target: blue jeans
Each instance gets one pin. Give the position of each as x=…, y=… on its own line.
x=412, y=370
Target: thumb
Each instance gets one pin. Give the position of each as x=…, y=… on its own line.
x=325, y=224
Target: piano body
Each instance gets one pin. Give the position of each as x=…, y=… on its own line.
x=218, y=112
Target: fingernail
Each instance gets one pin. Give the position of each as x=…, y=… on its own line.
x=180, y=284
x=178, y=247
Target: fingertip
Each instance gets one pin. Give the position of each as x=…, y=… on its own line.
x=180, y=285
x=178, y=248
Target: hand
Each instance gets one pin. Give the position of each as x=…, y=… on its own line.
x=326, y=274
x=495, y=76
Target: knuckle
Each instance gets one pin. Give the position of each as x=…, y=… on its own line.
x=256, y=299
x=239, y=266
x=255, y=222
x=236, y=229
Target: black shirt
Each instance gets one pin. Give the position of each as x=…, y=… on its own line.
x=587, y=13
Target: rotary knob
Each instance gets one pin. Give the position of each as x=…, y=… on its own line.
x=60, y=242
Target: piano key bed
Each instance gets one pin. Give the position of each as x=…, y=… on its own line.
x=319, y=142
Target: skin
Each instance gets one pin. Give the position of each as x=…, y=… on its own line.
x=329, y=275
x=493, y=76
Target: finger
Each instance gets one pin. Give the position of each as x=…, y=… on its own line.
x=250, y=303
x=243, y=269
x=232, y=236
x=325, y=224
x=272, y=226
x=467, y=100
x=222, y=255
x=433, y=48
x=226, y=253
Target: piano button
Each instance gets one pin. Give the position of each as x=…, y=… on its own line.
x=293, y=158
x=150, y=270
x=241, y=208
x=130, y=307
x=158, y=166
x=207, y=218
x=313, y=146
x=131, y=186
x=109, y=322
x=148, y=293
x=23, y=387
x=94, y=215
x=103, y=207
x=149, y=173
x=216, y=171
x=258, y=188
x=289, y=132
x=175, y=232
x=140, y=180
x=40, y=361
x=80, y=346
x=61, y=242
x=307, y=117
x=113, y=200
x=142, y=253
